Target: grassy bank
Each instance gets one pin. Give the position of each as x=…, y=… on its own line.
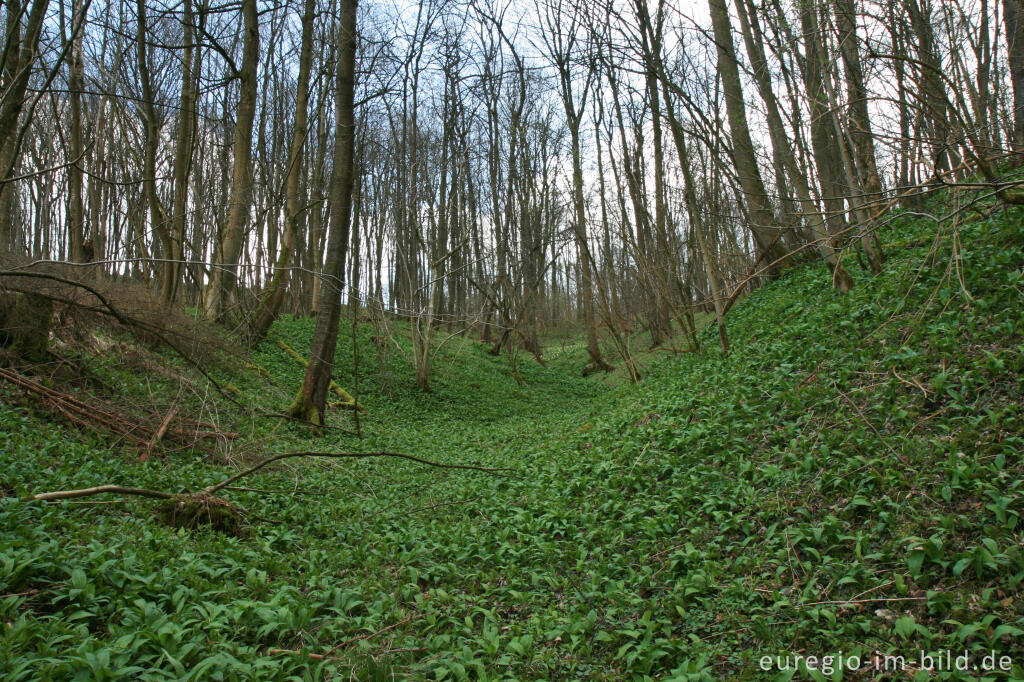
x=849, y=479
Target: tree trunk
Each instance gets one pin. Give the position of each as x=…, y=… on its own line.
x=860, y=125
x=824, y=143
x=697, y=220
x=310, y=405
x=932, y=88
x=270, y=305
x=586, y=260
x=76, y=179
x=21, y=49
x=784, y=151
x=220, y=290
x=764, y=227
x=1012, y=17
x=191, y=68
x=151, y=140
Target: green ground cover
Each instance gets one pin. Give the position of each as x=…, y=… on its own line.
x=849, y=479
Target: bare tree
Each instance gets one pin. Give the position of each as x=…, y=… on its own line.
x=763, y=226
x=223, y=279
x=274, y=295
x=561, y=39
x=311, y=403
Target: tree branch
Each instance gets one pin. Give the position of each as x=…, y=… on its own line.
x=120, y=490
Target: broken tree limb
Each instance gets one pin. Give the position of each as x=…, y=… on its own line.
x=100, y=416
x=347, y=401
x=190, y=509
x=100, y=489
x=160, y=433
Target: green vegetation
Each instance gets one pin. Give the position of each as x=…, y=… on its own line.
x=849, y=479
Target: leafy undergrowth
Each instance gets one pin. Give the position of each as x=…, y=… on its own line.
x=848, y=479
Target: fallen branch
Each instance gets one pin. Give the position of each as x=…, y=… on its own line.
x=879, y=600
x=870, y=425
x=347, y=401
x=100, y=489
x=344, y=645
x=297, y=652
x=160, y=433
x=276, y=492
x=203, y=507
x=102, y=417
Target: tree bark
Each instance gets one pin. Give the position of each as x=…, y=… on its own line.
x=697, y=220
x=824, y=143
x=763, y=227
x=310, y=404
x=932, y=88
x=21, y=47
x=191, y=67
x=784, y=151
x=597, y=362
x=270, y=305
x=1012, y=17
x=151, y=139
x=860, y=124
x=220, y=290
x=76, y=179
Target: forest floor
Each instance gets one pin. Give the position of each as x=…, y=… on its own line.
x=849, y=479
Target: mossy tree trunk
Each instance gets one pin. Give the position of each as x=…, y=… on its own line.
x=311, y=402
x=25, y=321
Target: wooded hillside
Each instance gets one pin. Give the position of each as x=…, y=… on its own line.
x=548, y=339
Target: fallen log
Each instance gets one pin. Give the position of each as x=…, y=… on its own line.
x=347, y=402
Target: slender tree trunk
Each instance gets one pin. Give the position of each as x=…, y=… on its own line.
x=191, y=66
x=586, y=260
x=932, y=89
x=824, y=138
x=1013, y=18
x=270, y=305
x=76, y=179
x=311, y=403
x=21, y=44
x=151, y=141
x=764, y=227
x=697, y=220
x=220, y=290
x=784, y=151
x=659, y=254
x=316, y=219
x=863, y=140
